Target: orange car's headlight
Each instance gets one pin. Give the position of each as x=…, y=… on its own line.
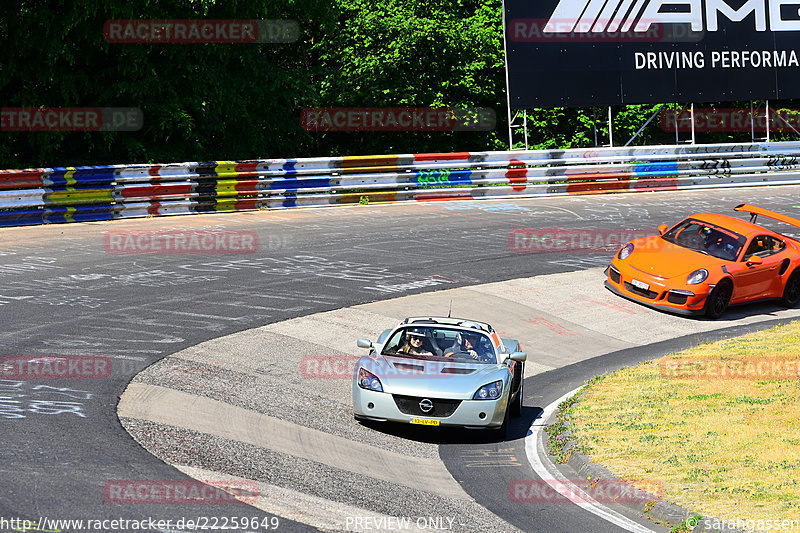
x=698, y=276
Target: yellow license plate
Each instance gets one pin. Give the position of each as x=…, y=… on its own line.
x=424, y=422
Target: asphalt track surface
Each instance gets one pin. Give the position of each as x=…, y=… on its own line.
x=63, y=293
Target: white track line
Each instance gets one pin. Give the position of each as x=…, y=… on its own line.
x=534, y=449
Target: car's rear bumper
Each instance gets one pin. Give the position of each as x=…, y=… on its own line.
x=664, y=298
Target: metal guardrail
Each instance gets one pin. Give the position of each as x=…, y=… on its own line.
x=78, y=194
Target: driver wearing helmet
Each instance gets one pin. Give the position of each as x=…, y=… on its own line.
x=415, y=339
x=722, y=248
x=468, y=343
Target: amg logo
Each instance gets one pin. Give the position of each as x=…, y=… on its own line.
x=584, y=16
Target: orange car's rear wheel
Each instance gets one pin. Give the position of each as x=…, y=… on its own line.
x=791, y=292
x=719, y=299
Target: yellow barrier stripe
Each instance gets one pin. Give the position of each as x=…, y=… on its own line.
x=226, y=204
x=226, y=169
x=68, y=175
x=80, y=196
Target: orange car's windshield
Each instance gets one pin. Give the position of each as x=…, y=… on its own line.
x=706, y=238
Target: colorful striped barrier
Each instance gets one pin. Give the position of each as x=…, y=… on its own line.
x=76, y=194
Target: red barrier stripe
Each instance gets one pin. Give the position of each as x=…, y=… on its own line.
x=156, y=190
x=442, y=197
x=595, y=188
x=153, y=171
x=601, y=176
x=354, y=198
x=246, y=170
x=517, y=175
x=655, y=184
x=18, y=179
x=246, y=186
x=246, y=204
x=590, y=183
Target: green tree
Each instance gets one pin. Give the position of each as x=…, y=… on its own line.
x=200, y=101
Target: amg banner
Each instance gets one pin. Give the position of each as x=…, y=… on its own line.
x=610, y=52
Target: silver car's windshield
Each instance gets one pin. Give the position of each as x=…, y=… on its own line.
x=441, y=343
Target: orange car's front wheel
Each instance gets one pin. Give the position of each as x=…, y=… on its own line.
x=719, y=298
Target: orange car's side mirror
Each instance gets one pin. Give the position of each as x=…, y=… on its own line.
x=662, y=229
x=754, y=260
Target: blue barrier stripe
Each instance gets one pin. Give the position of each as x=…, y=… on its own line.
x=66, y=218
x=17, y=213
x=656, y=174
x=60, y=181
x=653, y=168
x=295, y=184
x=33, y=220
x=288, y=167
x=80, y=209
x=99, y=174
x=96, y=171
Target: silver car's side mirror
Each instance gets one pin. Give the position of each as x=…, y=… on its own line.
x=518, y=356
x=364, y=343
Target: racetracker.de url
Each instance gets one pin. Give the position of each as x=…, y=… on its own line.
x=198, y=523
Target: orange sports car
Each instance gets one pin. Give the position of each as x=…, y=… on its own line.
x=707, y=262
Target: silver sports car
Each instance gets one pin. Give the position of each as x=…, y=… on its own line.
x=437, y=371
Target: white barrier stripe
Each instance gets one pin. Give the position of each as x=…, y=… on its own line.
x=583, y=167
x=182, y=188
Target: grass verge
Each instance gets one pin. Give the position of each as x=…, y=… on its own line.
x=721, y=439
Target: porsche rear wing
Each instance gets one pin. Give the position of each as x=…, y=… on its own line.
x=755, y=211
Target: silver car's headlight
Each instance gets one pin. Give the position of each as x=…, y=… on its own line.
x=625, y=251
x=492, y=391
x=698, y=276
x=367, y=380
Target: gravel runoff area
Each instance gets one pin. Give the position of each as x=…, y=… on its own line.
x=329, y=486
x=262, y=371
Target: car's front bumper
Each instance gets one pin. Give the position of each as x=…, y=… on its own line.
x=382, y=406
x=661, y=296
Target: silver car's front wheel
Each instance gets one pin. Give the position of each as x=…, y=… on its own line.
x=516, y=407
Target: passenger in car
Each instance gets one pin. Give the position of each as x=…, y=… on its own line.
x=414, y=344
x=468, y=343
x=722, y=248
